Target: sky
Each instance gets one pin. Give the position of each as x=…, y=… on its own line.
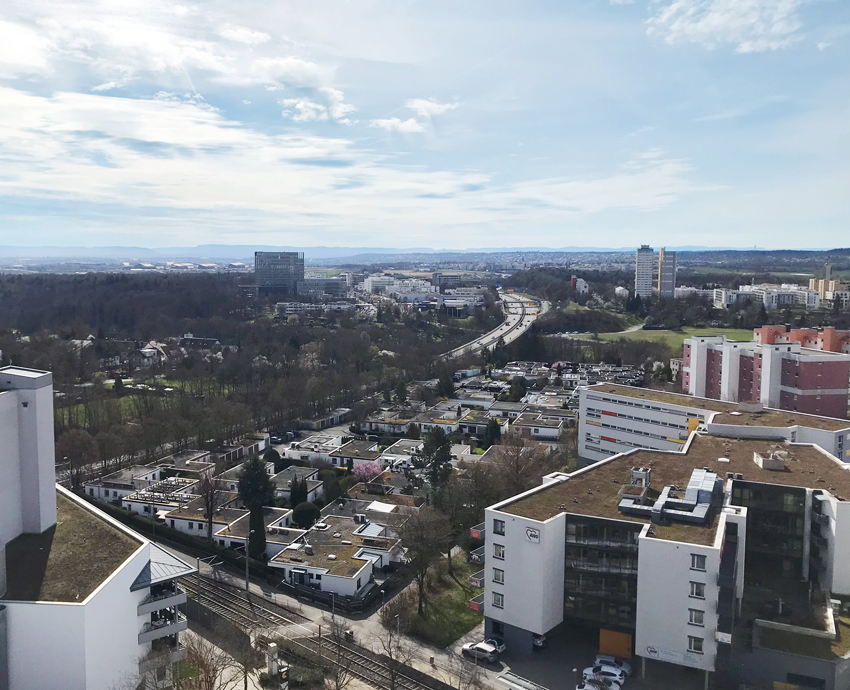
x=475, y=124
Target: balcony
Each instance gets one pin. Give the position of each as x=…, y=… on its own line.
x=477, y=532
x=163, y=628
x=477, y=555
x=622, y=568
x=602, y=543
x=477, y=604
x=164, y=657
x=477, y=580
x=163, y=600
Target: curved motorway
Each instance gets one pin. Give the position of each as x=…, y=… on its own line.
x=520, y=313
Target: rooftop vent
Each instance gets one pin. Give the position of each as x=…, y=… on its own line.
x=641, y=476
x=360, y=518
x=331, y=556
x=775, y=460
x=321, y=526
x=346, y=542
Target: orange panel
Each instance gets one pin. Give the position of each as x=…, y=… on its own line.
x=615, y=643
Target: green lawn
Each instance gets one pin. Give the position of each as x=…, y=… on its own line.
x=675, y=338
x=447, y=614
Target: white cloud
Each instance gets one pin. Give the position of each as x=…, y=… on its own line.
x=108, y=86
x=430, y=108
x=189, y=162
x=22, y=50
x=325, y=104
x=394, y=124
x=749, y=25
x=622, y=2
x=287, y=70
x=242, y=34
x=823, y=45
x=246, y=102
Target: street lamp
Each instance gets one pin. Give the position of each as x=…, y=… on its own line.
x=247, y=557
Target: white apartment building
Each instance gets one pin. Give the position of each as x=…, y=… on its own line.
x=615, y=419
x=621, y=292
x=669, y=554
x=644, y=270
x=84, y=601
x=772, y=296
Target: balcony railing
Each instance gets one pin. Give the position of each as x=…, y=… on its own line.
x=602, y=566
x=477, y=555
x=477, y=603
x=157, y=659
x=477, y=532
x=603, y=543
x=164, y=600
x=163, y=628
x=477, y=580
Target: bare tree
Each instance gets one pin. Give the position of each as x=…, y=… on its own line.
x=213, y=666
x=212, y=491
x=398, y=653
x=520, y=465
x=425, y=536
x=463, y=675
x=79, y=449
x=339, y=675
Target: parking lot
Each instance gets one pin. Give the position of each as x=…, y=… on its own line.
x=571, y=648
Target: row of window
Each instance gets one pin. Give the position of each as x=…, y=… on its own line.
x=631, y=403
x=589, y=439
x=597, y=414
x=696, y=617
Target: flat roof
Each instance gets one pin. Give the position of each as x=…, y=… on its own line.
x=769, y=417
x=360, y=449
x=241, y=526
x=594, y=491
x=68, y=561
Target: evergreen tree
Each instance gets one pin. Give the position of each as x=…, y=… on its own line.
x=256, y=491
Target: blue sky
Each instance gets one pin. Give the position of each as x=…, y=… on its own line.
x=425, y=124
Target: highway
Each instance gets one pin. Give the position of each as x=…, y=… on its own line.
x=520, y=313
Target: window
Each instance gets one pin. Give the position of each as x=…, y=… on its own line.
x=498, y=600
x=498, y=628
x=499, y=527
x=172, y=523
x=695, y=644
x=191, y=525
x=696, y=617
x=697, y=562
x=499, y=576
x=499, y=551
x=698, y=590
x=318, y=577
x=91, y=492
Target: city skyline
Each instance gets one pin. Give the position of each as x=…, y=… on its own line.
x=421, y=125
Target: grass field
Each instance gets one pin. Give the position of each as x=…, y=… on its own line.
x=447, y=614
x=675, y=338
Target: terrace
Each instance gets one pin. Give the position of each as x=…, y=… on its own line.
x=69, y=561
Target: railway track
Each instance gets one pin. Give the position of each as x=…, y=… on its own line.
x=234, y=604
x=360, y=665
x=230, y=602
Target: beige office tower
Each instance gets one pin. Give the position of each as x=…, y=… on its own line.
x=666, y=273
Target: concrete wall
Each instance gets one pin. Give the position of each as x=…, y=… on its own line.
x=663, y=602
x=839, y=547
x=762, y=667
x=11, y=522
x=112, y=626
x=47, y=646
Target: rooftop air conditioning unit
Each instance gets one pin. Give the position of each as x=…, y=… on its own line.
x=360, y=518
x=331, y=557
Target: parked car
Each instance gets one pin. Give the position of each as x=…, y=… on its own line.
x=611, y=673
x=480, y=650
x=498, y=643
x=276, y=440
x=597, y=684
x=608, y=660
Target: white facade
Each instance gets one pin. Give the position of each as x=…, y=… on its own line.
x=532, y=571
x=621, y=292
